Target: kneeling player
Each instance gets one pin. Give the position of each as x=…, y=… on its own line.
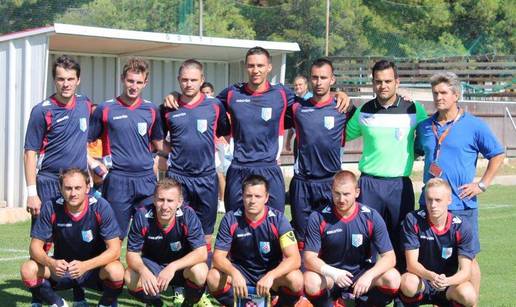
x=255, y=247
x=166, y=246
x=337, y=251
x=439, y=251
x=86, y=245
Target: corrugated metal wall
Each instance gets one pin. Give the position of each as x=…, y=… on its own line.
x=22, y=84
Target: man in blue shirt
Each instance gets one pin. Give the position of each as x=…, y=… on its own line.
x=451, y=140
x=439, y=252
x=86, y=245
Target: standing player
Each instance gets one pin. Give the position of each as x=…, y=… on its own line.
x=56, y=139
x=166, y=246
x=338, y=251
x=193, y=128
x=320, y=136
x=439, y=250
x=387, y=125
x=257, y=111
x=86, y=245
x=255, y=247
x=130, y=128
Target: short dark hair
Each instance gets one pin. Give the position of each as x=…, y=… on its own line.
x=68, y=63
x=208, y=84
x=257, y=50
x=137, y=65
x=383, y=65
x=320, y=62
x=255, y=180
x=71, y=171
x=191, y=63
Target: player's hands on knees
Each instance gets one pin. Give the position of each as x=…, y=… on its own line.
x=239, y=284
x=343, y=101
x=171, y=101
x=59, y=267
x=33, y=205
x=149, y=283
x=264, y=285
x=343, y=279
x=362, y=285
x=438, y=281
x=76, y=269
x=164, y=278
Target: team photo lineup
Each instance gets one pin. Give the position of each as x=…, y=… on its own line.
x=151, y=177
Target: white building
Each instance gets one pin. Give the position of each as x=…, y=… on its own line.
x=26, y=78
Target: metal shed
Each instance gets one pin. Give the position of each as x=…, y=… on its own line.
x=26, y=79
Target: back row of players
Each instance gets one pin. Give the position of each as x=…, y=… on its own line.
x=132, y=129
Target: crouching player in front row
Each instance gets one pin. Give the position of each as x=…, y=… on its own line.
x=338, y=251
x=166, y=246
x=255, y=247
x=86, y=245
x=439, y=251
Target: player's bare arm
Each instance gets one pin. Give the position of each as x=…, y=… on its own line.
x=415, y=267
x=222, y=263
x=38, y=254
x=148, y=281
x=291, y=261
x=194, y=257
x=77, y=268
x=315, y=264
x=33, y=201
x=385, y=262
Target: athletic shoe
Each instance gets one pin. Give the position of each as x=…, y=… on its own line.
x=221, y=208
x=204, y=301
x=64, y=304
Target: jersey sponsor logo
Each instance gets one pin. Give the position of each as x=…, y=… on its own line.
x=179, y=115
x=265, y=247
x=365, y=209
x=238, y=213
x=399, y=133
x=159, y=237
x=357, y=239
x=326, y=209
x=64, y=224
x=426, y=237
x=202, y=125
x=329, y=122
x=142, y=128
x=46, y=103
x=270, y=213
x=330, y=232
x=446, y=252
x=175, y=246
x=266, y=114
x=83, y=124
x=287, y=239
x=179, y=212
x=120, y=117
x=92, y=200
x=87, y=235
x=62, y=118
x=422, y=213
x=456, y=220
x=243, y=100
x=242, y=235
x=307, y=110
x=149, y=214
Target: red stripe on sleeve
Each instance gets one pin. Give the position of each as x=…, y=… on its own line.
x=106, y=143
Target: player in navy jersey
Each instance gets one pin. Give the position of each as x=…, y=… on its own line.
x=320, y=137
x=337, y=251
x=86, y=245
x=256, y=247
x=130, y=129
x=56, y=139
x=166, y=246
x=439, y=250
x=193, y=128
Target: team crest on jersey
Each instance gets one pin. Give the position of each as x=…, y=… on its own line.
x=87, y=236
x=446, y=252
x=202, y=125
x=142, y=128
x=357, y=239
x=266, y=114
x=175, y=246
x=108, y=162
x=83, y=124
x=265, y=247
x=329, y=122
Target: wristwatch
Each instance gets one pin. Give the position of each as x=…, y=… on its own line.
x=482, y=186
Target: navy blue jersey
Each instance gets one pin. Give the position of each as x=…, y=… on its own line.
x=255, y=246
x=257, y=121
x=162, y=245
x=345, y=243
x=193, y=129
x=320, y=136
x=127, y=133
x=79, y=237
x=438, y=249
x=59, y=133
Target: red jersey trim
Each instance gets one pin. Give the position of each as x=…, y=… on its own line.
x=255, y=224
x=193, y=105
x=446, y=227
x=83, y=212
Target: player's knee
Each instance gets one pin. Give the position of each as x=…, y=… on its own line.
x=29, y=270
x=197, y=273
x=464, y=294
x=131, y=279
x=391, y=279
x=213, y=280
x=313, y=283
x=409, y=284
x=295, y=280
x=113, y=271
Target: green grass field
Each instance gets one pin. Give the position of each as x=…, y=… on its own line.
x=497, y=236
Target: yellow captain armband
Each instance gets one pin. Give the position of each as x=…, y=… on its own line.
x=287, y=239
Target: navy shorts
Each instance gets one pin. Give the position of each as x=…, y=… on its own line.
x=200, y=193
x=430, y=295
x=90, y=280
x=177, y=281
x=48, y=187
x=238, y=173
x=128, y=193
x=470, y=215
x=306, y=196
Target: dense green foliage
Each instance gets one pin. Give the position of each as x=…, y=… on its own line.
x=399, y=28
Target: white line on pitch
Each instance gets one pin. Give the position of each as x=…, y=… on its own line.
x=13, y=250
x=14, y=258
